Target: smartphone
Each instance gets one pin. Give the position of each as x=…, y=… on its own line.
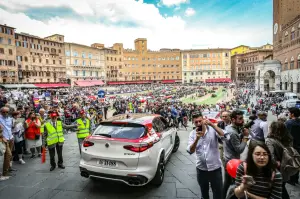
x=199, y=128
x=248, y=180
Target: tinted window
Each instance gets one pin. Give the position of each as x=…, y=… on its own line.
x=120, y=131
x=158, y=125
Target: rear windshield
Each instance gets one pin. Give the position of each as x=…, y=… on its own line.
x=124, y=131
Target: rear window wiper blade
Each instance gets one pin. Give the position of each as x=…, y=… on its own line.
x=105, y=135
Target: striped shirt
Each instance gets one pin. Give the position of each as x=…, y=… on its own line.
x=262, y=187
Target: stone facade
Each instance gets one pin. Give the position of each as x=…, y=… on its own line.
x=8, y=65
x=267, y=76
x=200, y=65
x=286, y=41
x=144, y=64
x=84, y=62
x=40, y=59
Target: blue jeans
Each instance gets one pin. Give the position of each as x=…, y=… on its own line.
x=80, y=140
x=214, y=178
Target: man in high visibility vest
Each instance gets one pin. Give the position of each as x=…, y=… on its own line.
x=83, y=128
x=54, y=137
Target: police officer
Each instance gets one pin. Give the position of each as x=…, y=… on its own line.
x=54, y=136
x=83, y=128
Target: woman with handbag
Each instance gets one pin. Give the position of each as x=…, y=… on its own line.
x=18, y=133
x=33, y=134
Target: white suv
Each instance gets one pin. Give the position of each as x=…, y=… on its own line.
x=132, y=150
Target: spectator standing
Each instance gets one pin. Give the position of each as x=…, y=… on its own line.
x=18, y=133
x=204, y=141
x=259, y=167
x=234, y=144
x=278, y=138
x=259, y=130
x=7, y=137
x=293, y=126
x=33, y=134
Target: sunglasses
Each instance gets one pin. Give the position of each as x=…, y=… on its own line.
x=4, y=111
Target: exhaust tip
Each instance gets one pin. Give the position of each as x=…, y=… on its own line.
x=84, y=174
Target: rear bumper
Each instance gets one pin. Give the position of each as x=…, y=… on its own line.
x=138, y=177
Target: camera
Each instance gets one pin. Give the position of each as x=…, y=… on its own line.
x=248, y=125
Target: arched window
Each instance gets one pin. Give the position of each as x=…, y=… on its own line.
x=293, y=33
x=286, y=64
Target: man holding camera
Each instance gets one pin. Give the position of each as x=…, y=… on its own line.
x=204, y=141
x=234, y=144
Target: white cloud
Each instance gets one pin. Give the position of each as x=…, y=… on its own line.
x=177, y=8
x=161, y=31
x=189, y=12
x=173, y=2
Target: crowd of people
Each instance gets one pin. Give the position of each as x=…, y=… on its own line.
x=32, y=121
x=262, y=148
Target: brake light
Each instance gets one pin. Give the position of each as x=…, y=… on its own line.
x=87, y=143
x=213, y=121
x=140, y=148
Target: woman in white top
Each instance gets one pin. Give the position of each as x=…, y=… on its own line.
x=18, y=132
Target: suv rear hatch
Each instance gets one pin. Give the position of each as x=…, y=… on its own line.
x=114, y=145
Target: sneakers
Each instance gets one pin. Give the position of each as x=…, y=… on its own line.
x=32, y=156
x=21, y=161
x=2, y=178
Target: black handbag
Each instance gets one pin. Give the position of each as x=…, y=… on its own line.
x=37, y=137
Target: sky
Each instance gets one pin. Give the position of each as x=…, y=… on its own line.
x=184, y=24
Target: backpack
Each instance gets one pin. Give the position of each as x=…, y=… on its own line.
x=290, y=161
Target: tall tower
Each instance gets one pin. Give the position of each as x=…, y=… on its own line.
x=284, y=11
x=276, y=20
x=141, y=45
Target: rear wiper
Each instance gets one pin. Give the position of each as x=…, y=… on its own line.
x=105, y=135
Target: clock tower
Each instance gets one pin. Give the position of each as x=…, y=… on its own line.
x=276, y=21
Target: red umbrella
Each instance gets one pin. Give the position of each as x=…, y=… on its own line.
x=92, y=97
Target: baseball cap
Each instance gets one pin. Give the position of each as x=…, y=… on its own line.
x=53, y=114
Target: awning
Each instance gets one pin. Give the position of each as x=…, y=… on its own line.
x=10, y=86
x=130, y=82
x=218, y=80
x=83, y=83
x=52, y=85
x=170, y=81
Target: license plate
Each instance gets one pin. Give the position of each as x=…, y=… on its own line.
x=107, y=163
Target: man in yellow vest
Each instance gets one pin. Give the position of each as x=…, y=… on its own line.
x=54, y=136
x=83, y=128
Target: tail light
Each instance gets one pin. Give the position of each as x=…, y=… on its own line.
x=140, y=148
x=213, y=121
x=87, y=143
